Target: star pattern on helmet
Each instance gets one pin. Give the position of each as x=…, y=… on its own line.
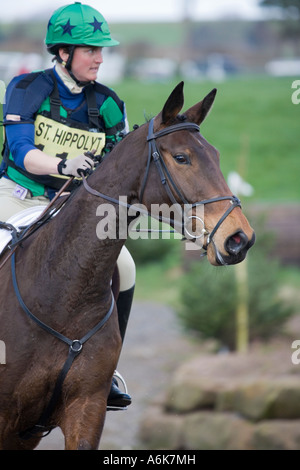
x=97, y=25
x=67, y=28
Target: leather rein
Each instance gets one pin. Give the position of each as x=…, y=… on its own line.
x=75, y=346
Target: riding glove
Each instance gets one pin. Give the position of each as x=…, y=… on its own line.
x=76, y=166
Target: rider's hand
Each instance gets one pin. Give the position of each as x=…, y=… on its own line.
x=76, y=166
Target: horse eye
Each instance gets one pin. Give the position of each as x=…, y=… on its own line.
x=182, y=159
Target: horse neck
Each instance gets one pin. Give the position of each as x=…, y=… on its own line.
x=122, y=170
x=70, y=244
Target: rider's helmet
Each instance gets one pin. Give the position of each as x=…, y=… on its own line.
x=77, y=25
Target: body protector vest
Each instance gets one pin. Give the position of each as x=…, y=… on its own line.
x=57, y=134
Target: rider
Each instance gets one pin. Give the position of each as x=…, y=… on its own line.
x=53, y=115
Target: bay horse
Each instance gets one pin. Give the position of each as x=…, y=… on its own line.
x=62, y=275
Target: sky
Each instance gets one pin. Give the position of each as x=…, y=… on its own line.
x=138, y=10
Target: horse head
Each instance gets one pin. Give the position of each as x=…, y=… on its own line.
x=191, y=170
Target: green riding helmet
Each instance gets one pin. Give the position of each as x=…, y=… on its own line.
x=78, y=24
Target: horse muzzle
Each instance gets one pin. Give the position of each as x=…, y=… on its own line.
x=236, y=247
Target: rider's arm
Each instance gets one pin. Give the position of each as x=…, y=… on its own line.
x=20, y=139
x=39, y=163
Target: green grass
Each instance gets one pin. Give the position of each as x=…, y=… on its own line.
x=253, y=124
x=168, y=34
x=159, y=281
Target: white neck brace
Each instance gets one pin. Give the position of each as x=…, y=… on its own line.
x=67, y=80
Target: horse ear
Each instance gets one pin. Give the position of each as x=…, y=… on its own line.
x=173, y=104
x=199, y=111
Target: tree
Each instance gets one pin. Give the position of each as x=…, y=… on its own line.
x=291, y=16
x=290, y=7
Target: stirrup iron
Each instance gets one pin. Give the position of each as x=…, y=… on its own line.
x=118, y=376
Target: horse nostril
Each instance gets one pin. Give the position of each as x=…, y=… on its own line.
x=236, y=243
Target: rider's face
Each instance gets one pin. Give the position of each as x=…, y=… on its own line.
x=86, y=62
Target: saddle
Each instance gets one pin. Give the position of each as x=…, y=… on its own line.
x=16, y=223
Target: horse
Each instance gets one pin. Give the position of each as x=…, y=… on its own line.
x=61, y=275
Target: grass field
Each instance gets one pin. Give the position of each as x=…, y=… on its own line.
x=253, y=123
x=255, y=126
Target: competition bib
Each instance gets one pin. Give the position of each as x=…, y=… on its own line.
x=59, y=140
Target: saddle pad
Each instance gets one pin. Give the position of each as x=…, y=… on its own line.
x=21, y=219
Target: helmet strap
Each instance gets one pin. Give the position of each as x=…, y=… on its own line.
x=70, y=58
x=78, y=82
x=68, y=66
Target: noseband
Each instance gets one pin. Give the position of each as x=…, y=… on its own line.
x=168, y=182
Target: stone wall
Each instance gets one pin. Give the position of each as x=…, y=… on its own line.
x=229, y=401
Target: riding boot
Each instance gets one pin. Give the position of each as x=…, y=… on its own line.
x=116, y=397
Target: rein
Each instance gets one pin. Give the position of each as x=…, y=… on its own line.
x=168, y=183
x=75, y=348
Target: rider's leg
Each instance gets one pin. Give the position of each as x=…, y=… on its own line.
x=12, y=201
x=126, y=269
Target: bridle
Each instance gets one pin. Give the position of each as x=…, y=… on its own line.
x=171, y=188
x=165, y=175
